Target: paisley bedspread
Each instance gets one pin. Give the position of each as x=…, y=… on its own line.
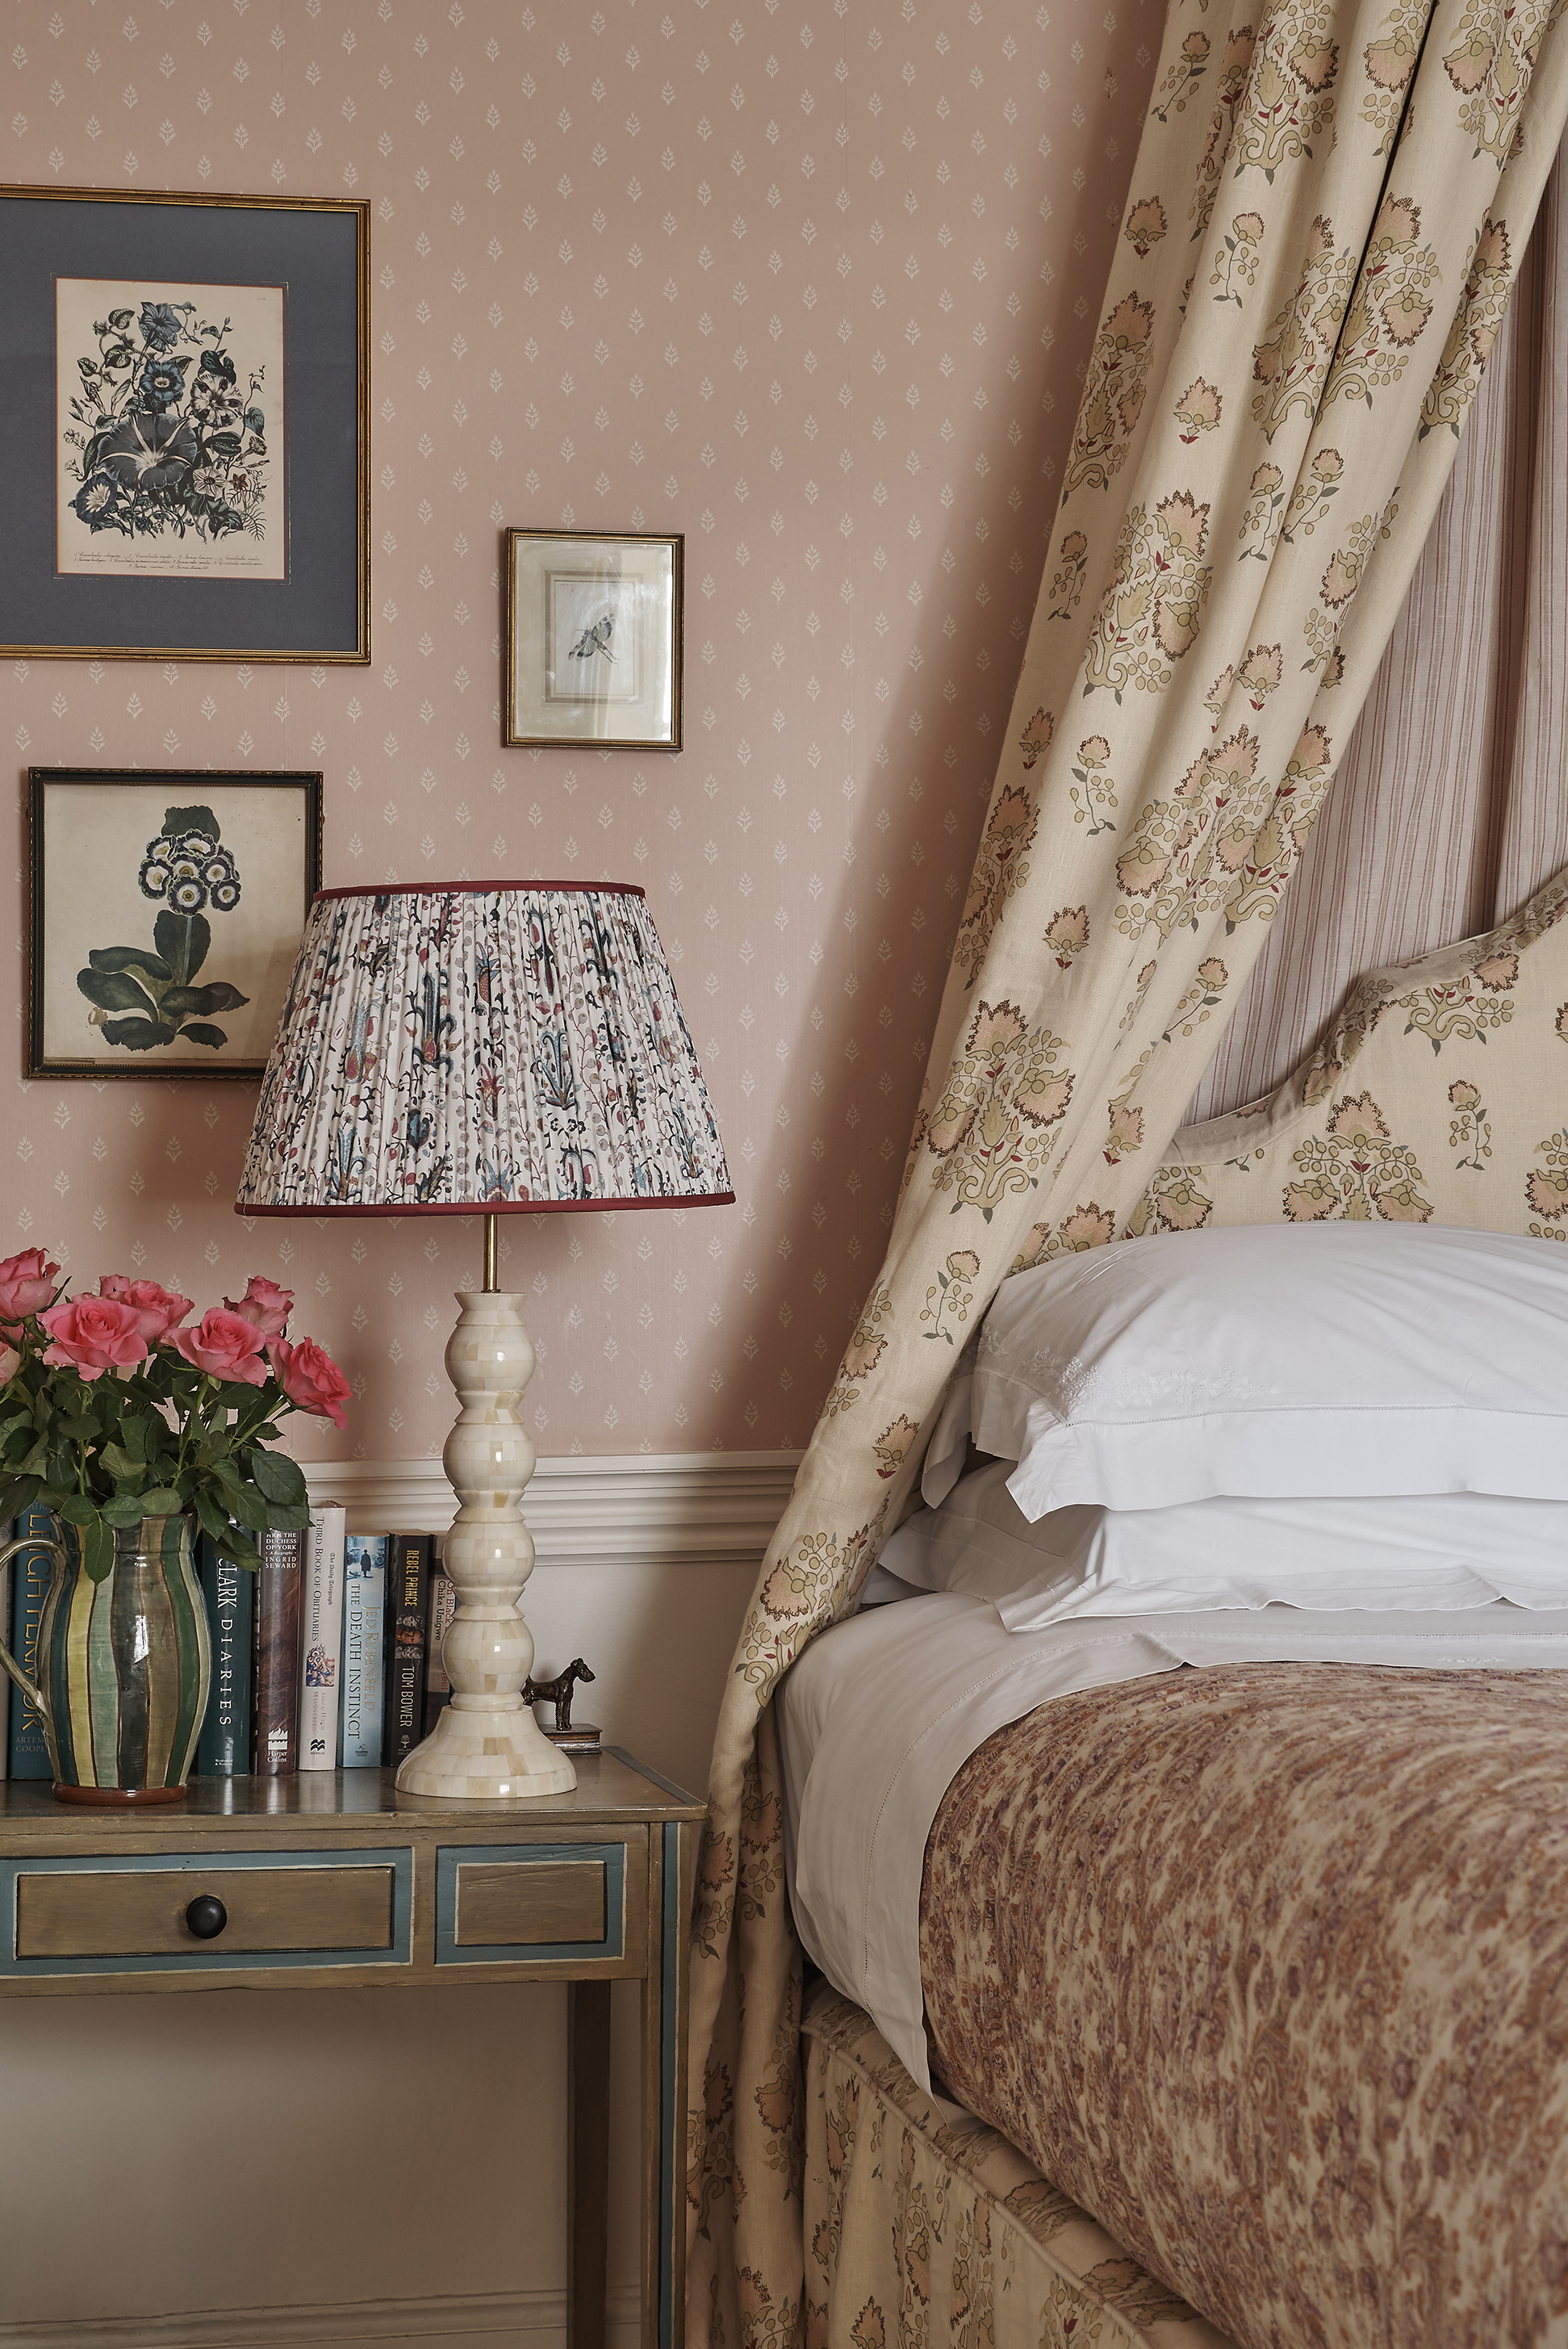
x=1267, y=1968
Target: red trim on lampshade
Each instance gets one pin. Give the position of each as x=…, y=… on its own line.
x=482, y=888
x=505, y=1206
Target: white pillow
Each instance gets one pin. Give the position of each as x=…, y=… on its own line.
x=1435, y=1550
x=1279, y=1359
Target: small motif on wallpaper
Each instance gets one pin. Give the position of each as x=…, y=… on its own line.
x=170, y=415
x=165, y=929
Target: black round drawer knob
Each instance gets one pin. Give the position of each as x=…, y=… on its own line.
x=206, y=1917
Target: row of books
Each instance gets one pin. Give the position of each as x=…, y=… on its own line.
x=330, y=1658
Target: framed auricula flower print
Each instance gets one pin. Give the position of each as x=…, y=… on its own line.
x=193, y=445
x=167, y=912
x=592, y=639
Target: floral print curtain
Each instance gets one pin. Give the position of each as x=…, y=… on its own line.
x=1329, y=205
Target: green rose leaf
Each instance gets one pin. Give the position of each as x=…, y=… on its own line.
x=120, y=1463
x=240, y=1552
x=125, y=1509
x=214, y=1520
x=76, y=1509
x=17, y=1495
x=161, y=1502
x=98, y=1548
x=289, y=1518
x=242, y=1501
x=135, y=1433
x=279, y=1479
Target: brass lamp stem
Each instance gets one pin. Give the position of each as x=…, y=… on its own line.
x=492, y=1252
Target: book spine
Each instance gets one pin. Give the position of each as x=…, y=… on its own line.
x=437, y=1687
x=408, y=1601
x=31, y=1570
x=320, y=1638
x=7, y=1532
x=223, y=1750
x=276, y=1699
x=363, y=1631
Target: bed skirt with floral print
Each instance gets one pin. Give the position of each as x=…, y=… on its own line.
x=919, y=2236
x=1267, y=1966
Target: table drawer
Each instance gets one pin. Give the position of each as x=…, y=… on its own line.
x=538, y=1904
x=282, y=1908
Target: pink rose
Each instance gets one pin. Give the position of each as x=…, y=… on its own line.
x=156, y=1309
x=311, y=1379
x=26, y=1283
x=9, y=1358
x=93, y=1334
x=265, y=1304
x=226, y=1346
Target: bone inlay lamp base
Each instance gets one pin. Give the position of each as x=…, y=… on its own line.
x=487, y=1746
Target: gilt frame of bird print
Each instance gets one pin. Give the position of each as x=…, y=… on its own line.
x=592, y=639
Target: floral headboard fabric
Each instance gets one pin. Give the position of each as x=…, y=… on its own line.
x=1438, y=1094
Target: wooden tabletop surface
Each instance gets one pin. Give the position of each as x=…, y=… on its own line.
x=611, y=1786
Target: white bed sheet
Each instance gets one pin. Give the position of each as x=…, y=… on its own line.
x=881, y=1712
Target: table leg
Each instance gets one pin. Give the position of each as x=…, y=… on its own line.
x=664, y=2004
x=587, y=2160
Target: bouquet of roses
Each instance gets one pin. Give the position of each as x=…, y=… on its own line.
x=112, y=1411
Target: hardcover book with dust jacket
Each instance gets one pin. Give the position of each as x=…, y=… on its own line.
x=320, y=1638
x=407, y=1599
x=364, y=1635
x=275, y=1687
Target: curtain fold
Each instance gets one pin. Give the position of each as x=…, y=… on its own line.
x=1328, y=213
x=1447, y=811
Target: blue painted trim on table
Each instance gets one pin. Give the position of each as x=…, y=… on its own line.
x=669, y=1967
x=207, y=1960
x=449, y=1858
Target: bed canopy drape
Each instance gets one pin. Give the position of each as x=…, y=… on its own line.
x=1329, y=208
x=1447, y=809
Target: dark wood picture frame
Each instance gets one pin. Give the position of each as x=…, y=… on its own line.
x=63, y=594
x=153, y=859
x=580, y=607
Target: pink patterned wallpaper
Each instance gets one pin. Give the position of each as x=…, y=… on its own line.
x=812, y=284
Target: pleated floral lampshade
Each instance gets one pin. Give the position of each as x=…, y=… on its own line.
x=476, y=1047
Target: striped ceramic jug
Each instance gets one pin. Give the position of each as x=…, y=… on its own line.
x=123, y=1666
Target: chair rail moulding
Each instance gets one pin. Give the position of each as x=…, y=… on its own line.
x=712, y=1506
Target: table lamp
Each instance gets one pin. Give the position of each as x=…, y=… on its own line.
x=483, y=1047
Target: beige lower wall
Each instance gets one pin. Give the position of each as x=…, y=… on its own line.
x=366, y=2165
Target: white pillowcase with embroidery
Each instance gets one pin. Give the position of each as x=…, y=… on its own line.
x=1275, y=1360
x=1426, y=1551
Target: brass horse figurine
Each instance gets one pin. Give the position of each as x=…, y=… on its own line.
x=558, y=1692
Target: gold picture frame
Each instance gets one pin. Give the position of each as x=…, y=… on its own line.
x=592, y=639
x=189, y=376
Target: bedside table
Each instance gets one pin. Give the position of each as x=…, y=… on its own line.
x=332, y=1880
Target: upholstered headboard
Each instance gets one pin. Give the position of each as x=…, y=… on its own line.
x=1440, y=1094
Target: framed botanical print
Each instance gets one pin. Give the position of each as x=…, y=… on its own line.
x=195, y=443
x=593, y=640
x=167, y=912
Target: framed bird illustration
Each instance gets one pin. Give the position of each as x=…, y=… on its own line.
x=593, y=640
